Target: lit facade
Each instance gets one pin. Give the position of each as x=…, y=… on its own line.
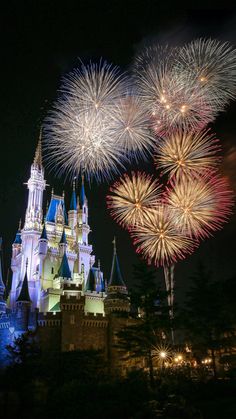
x=55, y=248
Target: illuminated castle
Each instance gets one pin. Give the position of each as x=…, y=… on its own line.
x=54, y=250
x=56, y=291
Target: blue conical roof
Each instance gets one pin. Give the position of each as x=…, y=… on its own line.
x=91, y=281
x=64, y=270
x=18, y=238
x=116, y=277
x=63, y=237
x=73, y=203
x=82, y=197
x=24, y=292
x=44, y=233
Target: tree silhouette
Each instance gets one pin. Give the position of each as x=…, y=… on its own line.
x=151, y=324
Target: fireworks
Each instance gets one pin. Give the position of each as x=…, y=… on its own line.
x=200, y=205
x=93, y=89
x=103, y=119
x=131, y=127
x=81, y=144
x=96, y=126
x=159, y=240
x=213, y=64
x=171, y=98
x=132, y=198
x=187, y=153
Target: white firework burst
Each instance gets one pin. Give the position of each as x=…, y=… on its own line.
x=131, y=127
x=96, y=126
x=213, y=64
x=172, y=98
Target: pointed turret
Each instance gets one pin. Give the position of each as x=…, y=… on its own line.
x=24, y=292
x=18, y=235
x=73, y=203
x=116, y=277
x=2, y=285
x=64, y=270
x=91, y=281
x=63, y=243
x=63, y=237
x=23, y=304
x=36, y=185
x=83, y=199
x=117, y=299
x=84, y=229
x=44, y=234
x=72, y=213
x=43, y=243
x=38, y=152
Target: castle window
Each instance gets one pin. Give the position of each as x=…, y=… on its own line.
x=71, y=346
x=52, y=270
x=72, y=319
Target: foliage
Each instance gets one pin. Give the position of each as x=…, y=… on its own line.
x=209, y=317
x=23, y=349
x=151, y=324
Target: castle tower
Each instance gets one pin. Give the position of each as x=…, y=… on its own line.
x=63, y=243
x=26, y=241
x=84, y=228
x=64, y=269
x=43, y=243
x=2, y=285
x=117, y=299
x=36, y=185
x=72, y=213
x=23, y=304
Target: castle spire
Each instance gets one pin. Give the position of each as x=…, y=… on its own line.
x=83, y=198
x=38, y=152
x=63, y=237
x=64, y=270
x=24, y=292
x=114, y=245
x=44, y=233
x=18, y=235
x=115, y=277
x=73, y=203
x=117, y=299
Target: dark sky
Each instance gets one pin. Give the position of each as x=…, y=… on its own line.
x=41, y=41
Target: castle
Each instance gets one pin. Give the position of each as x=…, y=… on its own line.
x=56, y=291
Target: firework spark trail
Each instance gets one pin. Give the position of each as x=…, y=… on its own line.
x=81, y=144
x=158, y=238
x=184, y=153
x=131, y=127
x=213, y=64
x=201, y=205
x=172, y=98
x=95, y=87
x=132, y=198
x=95, y=126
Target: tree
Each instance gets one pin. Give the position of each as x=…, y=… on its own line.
x=23, y=349
x=208, y=317
x=151, y=322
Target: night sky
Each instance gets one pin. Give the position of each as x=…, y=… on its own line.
x=42, y=41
